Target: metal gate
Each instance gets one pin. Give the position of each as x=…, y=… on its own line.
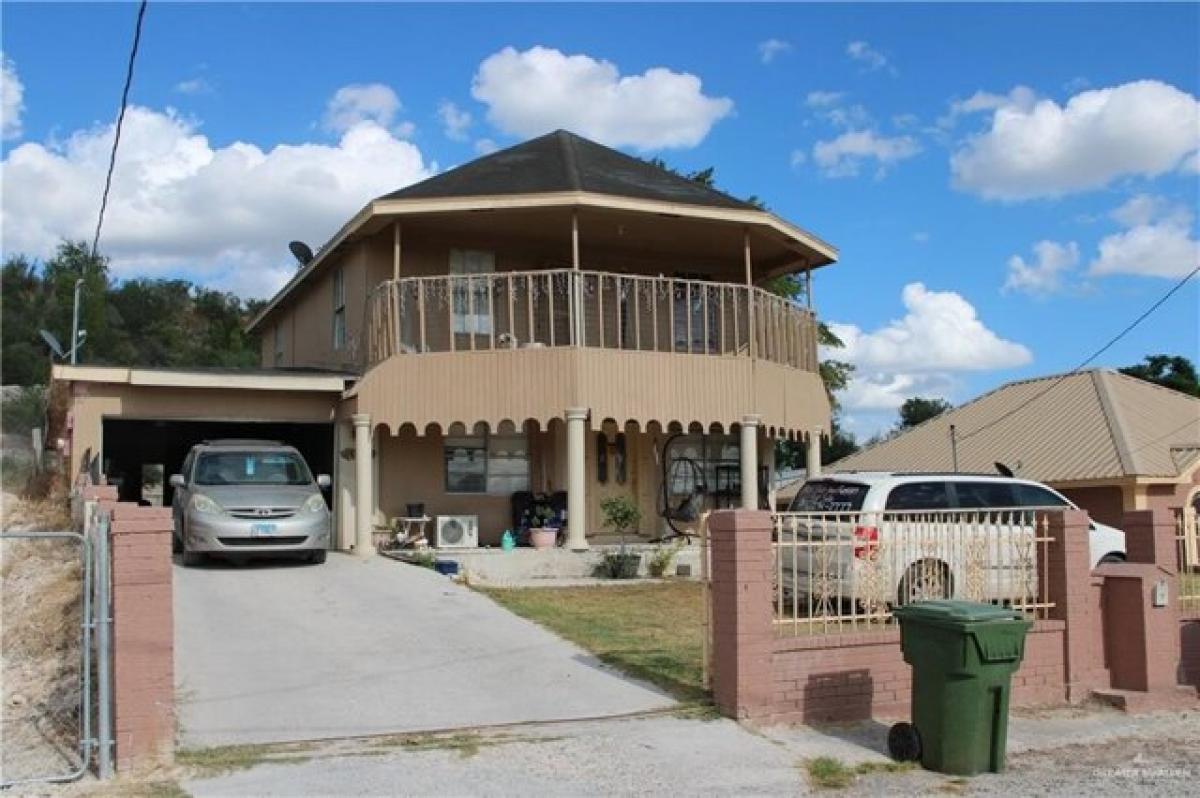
x=54, y=595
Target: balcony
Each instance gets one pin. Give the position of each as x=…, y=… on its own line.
x=507, y=348
x=567, y=308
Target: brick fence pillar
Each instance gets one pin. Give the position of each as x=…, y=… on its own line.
x=143, y=636
x=1150, y=537
x=743, y=634
x=1075, y=593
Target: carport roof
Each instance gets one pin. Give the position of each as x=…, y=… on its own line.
x=248, y=379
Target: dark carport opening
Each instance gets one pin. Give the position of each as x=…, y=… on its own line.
x=140, y=455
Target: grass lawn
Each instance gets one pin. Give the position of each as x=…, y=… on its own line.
x=652, y=632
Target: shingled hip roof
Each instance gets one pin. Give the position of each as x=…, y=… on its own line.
x=1089, y=425
x=563, y=161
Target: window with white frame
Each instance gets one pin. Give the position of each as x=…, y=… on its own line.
x=472, y=309
x=494, y=464
x=339, y=309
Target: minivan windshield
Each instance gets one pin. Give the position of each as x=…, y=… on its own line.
x=829, y=496
x=251, y=468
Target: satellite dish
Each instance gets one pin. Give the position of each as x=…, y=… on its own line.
x=1004, y=470
x=301, y=252
x=52, y=342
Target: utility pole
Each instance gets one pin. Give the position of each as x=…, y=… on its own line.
x=75, y=322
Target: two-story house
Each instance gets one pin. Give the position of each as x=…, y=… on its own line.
x=546, y=318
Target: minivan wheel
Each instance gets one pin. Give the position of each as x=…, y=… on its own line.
x=176, y=543
x=191, y=559
x=317, y=557
x=925, y=580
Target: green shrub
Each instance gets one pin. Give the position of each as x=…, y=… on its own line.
x=621, y=513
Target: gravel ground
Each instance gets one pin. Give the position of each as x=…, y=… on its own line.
x=1069, y=752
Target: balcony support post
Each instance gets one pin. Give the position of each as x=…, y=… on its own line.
x=396, y=251
x=749, y=452
x=813, y=463
x=750, y=314
x=576, y=479
x=576, y=284
x=364, y=486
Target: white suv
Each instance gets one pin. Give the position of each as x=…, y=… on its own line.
x=913, y=536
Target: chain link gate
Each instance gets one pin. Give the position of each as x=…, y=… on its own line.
x=53, y=597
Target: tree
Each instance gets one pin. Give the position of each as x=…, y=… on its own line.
x=1170, y=371
x=917, y=409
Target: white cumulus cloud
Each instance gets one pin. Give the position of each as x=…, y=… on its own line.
x=221, y=215
x=823, y=99
x=768, y=50
x=12, y=99
x=535, y=91
x=1040, y=148
x=193, y=86
x=1043, y=274
x=1157, y=241
x=867, y=55
x=361, y=102
x=845, y=155
x=455, y=121
x=939, y=337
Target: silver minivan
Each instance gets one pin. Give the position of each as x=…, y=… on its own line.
x=247, y=497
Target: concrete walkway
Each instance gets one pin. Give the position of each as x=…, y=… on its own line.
x=280, y=651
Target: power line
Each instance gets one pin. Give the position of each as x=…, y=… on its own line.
x=112, y=159
x=1088, y=360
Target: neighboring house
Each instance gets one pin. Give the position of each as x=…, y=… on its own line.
x=1108, y=441
x=540, y=319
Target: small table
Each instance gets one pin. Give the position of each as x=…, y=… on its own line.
x=411, y=531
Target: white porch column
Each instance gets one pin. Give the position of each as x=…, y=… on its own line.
x=814, y=454
x=576, y=473
x=749, y=453
x=364, y=486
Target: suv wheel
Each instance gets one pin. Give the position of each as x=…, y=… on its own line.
x=317, y=557
x=191, y=559
x=925, y=580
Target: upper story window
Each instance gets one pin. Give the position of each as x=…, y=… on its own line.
x=339, y=309
x=279, y=344
x=472, y=308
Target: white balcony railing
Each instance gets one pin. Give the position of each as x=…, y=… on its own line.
x=563, y=307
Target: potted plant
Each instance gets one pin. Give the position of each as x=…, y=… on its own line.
x=621, y=514
x=661, y=559
x=542, y=523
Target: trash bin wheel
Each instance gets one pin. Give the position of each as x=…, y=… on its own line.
x=904, y=743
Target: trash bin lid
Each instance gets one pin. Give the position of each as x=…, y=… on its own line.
x=945, y=611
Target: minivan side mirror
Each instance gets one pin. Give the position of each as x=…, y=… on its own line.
x=176, y=481
x=323, y=481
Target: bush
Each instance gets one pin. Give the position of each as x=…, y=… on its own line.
x=621, y=513
x=24, y=407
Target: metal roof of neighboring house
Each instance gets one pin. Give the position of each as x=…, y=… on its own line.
x=564, y=161
x=230, y=378
x=1088, y=425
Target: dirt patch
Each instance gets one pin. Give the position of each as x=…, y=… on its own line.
x=40, y=619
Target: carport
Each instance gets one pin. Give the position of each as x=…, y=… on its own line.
x=133, y=427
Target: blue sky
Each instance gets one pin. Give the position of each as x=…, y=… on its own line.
x=934, y=145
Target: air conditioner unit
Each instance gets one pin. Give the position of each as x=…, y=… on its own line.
x=457, y=531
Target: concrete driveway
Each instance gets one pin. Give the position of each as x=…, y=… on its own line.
x=281, y=651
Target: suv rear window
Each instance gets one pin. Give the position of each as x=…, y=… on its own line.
x=1034, y=496
x=829, y=496
x=919, y=496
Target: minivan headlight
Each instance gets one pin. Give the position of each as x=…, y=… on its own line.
x=203, y=504
x=315, y=503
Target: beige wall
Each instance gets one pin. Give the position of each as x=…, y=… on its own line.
x=91, y=403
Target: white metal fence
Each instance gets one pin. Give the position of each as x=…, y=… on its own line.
x=1187, y=547
x=847, y=571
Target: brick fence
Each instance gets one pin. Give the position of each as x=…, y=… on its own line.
x=762, y=676
x=143, y=656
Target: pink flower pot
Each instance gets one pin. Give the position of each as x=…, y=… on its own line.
x=543, y=538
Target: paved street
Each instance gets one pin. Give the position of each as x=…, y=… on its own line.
x=282, y=651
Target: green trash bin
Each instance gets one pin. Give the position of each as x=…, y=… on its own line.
x=963, y=656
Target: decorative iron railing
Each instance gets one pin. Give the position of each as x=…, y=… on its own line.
x=839, y=572
x=564, y=307
x=1187, y=547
